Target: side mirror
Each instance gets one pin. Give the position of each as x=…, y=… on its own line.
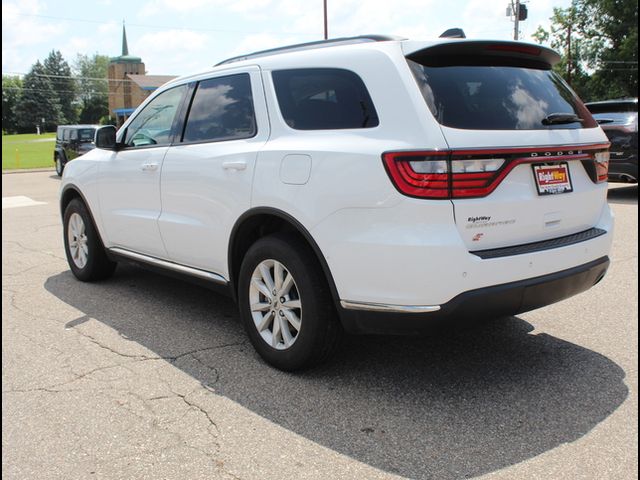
x=106, y=138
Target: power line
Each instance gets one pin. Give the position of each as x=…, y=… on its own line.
x=72, y=77
x=162, y=27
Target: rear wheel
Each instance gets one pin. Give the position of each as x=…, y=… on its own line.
x=85, y=253
x=285, y=304
x=59, y=166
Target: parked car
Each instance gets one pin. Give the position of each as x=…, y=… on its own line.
x=367, y=184
x=71, y=142
x=619, y=120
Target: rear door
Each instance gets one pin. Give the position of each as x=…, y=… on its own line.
x=207, y=173
x=523, y=146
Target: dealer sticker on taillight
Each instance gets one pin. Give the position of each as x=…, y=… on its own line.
x=552, y=179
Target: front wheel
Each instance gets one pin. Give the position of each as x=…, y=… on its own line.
x=285, y=304
x=85, y=253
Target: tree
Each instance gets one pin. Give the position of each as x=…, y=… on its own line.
x=63, y=84
x=37, y=102
x=11, y=91
x=617, y=20
x=599, y=43
x=93, y=87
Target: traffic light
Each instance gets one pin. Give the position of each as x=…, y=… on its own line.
x=522, y=12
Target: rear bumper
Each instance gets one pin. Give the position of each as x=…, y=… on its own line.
x=489, y=302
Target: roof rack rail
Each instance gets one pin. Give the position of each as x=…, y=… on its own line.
x=312, y=45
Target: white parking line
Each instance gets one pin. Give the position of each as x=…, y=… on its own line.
x=19, y=201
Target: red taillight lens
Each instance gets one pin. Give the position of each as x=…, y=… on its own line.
x=419, y=174
x=437, y=175
x=602, y=165
x=473, y=177
x=443, y=174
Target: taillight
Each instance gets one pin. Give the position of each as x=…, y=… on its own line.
x=473, y=177
x=439, y=175
x=602, y=165
x=419, y=174
x=447, y=174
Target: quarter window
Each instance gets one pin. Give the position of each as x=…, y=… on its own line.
x=153, y=125
x=324, y=99
x=222, y=109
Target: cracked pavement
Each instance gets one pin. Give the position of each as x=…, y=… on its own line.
x=144, y=376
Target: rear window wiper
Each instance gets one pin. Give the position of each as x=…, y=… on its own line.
x=604, y=120
x=560, y=118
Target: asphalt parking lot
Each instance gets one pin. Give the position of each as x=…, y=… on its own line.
x=143, y=376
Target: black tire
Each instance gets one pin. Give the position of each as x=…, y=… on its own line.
x=59, y=165
x=319, y=332
x=97, y=265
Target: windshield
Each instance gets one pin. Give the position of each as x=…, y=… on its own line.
x=499, y=97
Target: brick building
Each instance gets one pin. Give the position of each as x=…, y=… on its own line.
x=129, y=83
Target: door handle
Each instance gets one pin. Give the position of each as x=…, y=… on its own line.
x=235, y=165
x=150, y=167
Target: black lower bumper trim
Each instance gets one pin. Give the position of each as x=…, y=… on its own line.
x=490, y=302
x=540, y=246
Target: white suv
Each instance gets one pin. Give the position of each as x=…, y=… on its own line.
x=368, y=184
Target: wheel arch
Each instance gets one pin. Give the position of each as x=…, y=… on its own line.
x=260, y=222
x=70, y=192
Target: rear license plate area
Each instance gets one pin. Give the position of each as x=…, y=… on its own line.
x=552, y=179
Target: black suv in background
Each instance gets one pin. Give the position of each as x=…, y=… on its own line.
x=619, y=120
x=71, y=142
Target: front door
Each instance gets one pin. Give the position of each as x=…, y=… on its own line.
x=129, y=182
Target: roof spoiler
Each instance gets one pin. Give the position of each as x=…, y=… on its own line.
x=453, y=33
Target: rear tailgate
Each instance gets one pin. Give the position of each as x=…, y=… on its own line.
x=519, y=173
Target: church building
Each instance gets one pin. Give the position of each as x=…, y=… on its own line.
x=129, y=83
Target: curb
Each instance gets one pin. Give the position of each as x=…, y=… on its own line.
x=27, y=170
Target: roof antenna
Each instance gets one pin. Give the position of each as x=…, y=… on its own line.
x=453, y=33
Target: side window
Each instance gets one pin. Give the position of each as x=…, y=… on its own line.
x=73, y=135
x=222, y=109
x=323, y=99
x=65, y=134
x=152, y=126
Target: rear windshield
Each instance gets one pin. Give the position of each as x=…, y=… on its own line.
x=497, y=97
x=616, y=118
x=86, y=134
x=612, y=107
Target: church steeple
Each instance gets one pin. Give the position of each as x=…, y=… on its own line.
x=125, y=47
x=125, y=57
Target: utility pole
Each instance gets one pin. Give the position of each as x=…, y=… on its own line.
x=569, y=62
x=326, y=27
x=515, y=7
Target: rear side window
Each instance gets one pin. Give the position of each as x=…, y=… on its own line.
x=323, y=99
x=222, y=109
x=497, y=97
x=65, y=134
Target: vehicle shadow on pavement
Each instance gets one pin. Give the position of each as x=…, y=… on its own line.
x=624, y=195
x=448, y=406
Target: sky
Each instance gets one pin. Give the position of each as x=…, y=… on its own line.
x=177, y=37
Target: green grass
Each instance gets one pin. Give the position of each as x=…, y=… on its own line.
x=27, y=151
